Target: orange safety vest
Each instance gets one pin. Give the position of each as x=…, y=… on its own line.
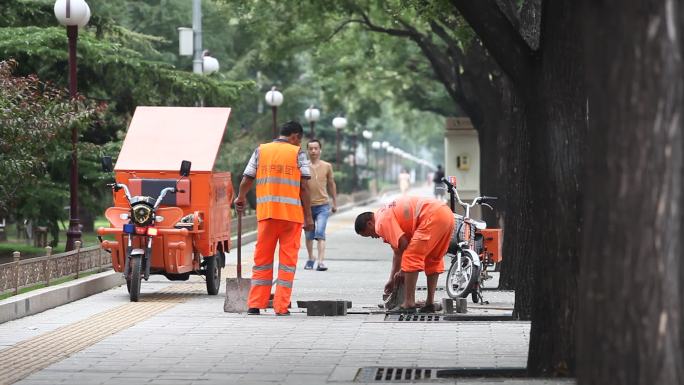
x=277, y=179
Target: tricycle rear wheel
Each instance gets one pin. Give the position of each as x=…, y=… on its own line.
x=213, y=275
x=133, y=282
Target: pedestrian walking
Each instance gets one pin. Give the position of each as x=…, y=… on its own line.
x=404, y=181
x=419, y=231
x=439, y=189
x=322, y=188
x=281, y=171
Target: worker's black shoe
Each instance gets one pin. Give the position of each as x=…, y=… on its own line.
x=253, y=311
x=287, y=313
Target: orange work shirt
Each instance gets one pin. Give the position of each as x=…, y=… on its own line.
x=402, y=217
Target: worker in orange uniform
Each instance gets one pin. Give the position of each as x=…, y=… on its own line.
x=281, y=170
x=419, y=231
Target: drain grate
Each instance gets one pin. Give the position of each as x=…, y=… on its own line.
x=447, y=318
x=413, y=374
x=413, y=317
x=393, y=374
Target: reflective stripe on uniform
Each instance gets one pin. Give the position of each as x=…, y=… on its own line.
x=289, y=269
x=284, y=283
x=262, y=282
x=278, y=199
x=262, y=267
x=275, y=179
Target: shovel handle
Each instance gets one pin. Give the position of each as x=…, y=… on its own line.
x=239, y=244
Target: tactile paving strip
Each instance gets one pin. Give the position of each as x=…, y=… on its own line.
x=37, y=353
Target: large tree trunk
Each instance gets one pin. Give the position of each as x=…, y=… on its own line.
x=550, y=81
x=630, y=319
x=516, y=203
x=558, y=137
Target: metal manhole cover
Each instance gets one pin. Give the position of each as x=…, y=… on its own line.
x=413, y=317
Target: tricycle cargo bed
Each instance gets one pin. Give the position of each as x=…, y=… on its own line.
x=157, y=140
x=209, y=194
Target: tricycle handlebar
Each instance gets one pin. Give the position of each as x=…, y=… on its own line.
x=118, y=186
x=162, y=194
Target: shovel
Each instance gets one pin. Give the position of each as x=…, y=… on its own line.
x=237, y=289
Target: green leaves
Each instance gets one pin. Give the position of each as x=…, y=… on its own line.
x=33, y=115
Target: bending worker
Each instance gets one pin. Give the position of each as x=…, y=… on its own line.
x=283, y=204
x=419, y=231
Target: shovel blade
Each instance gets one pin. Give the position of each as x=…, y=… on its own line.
x=237, y=291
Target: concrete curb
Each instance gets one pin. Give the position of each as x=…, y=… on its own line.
x=37, y=301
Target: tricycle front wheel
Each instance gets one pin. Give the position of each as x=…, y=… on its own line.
x=133, y=281
x=213, y=275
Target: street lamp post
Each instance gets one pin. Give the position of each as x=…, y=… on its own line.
x=274, y=99
x=312, y=114
x=368, y=135
x=390, y=163
x=385, y=146
x=73, y=14
x=376, y=146
x=339, y=123
x=355, y=178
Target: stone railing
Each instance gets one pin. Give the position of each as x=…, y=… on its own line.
x=29, y=272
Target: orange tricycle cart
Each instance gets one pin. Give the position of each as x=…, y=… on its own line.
x=165, y=222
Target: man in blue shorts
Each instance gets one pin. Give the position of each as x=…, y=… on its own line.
x=322, y=188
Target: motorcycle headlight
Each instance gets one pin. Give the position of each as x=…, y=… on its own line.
x=142, y=214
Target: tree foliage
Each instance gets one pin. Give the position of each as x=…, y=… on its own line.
x=34, y=119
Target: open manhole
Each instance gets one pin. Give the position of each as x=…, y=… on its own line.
x=413, y=374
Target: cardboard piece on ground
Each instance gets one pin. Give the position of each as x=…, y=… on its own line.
x=237, y=291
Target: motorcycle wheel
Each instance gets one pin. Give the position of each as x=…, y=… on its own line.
x=213, y=275
x=460, y=285
x=134, y=286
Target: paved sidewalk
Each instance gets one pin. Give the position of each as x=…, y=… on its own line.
x=179, y=335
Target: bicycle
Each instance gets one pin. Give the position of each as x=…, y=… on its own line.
x=473, y=248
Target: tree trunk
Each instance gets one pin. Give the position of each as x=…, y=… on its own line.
x=516, y=205
x=550, y=80
x=630, y=319
x=558, y=129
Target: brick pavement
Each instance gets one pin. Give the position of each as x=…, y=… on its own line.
x=190, y=340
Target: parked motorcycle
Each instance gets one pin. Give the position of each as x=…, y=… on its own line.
x=473, y=248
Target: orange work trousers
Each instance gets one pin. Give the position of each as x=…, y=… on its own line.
x=429, y=243
x=287, y=235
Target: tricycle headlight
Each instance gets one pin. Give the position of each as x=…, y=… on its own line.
x=142, y=214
